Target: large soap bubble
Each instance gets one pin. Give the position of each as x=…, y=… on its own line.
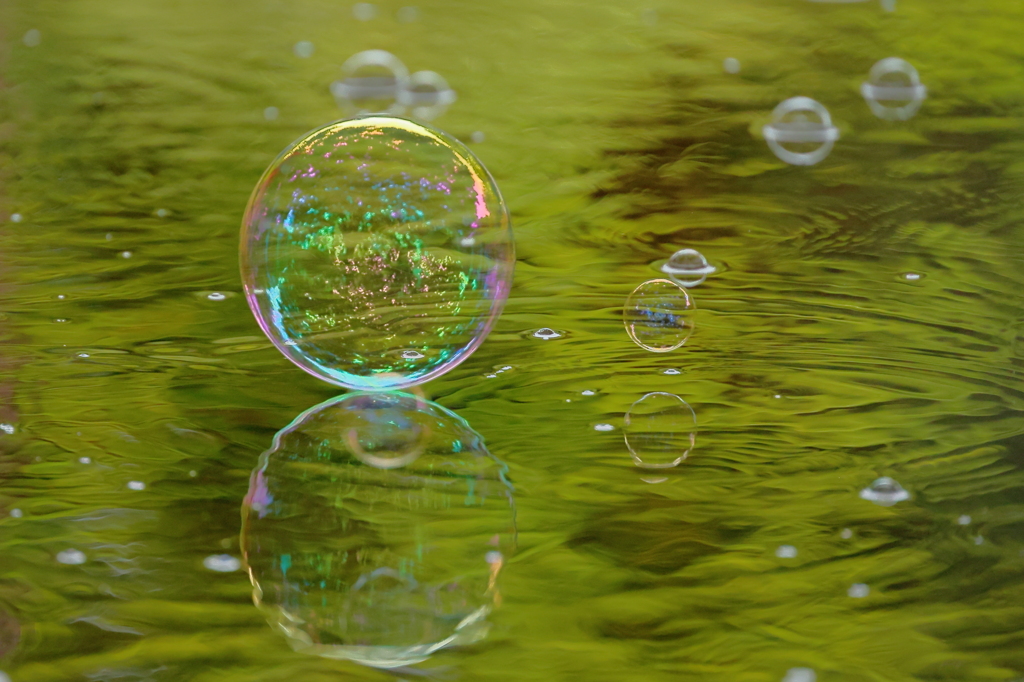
x=376, y=253
x=375, y=529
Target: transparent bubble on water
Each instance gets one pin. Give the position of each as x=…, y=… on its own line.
x=858, y=591
x=353, y=251
x=806, y=127
x=71, y=557
x=688, y=268
x=375, y=530
x=731, y=65
x=373, y=82
x=426, y=95
x=657, y=316
x=786, y=552
x=893, y=90
x=885, y=492
x=546, y=334
x=660, y=430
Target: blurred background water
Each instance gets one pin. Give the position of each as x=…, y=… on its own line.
x=863, y=321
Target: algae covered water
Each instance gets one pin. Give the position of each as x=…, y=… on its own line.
x=752, y=410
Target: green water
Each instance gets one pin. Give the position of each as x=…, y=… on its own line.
x=132, y=134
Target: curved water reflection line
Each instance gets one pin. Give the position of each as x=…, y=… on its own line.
x=375, y=530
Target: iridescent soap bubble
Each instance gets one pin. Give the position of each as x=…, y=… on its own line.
x=375, y=530
x=806, y=127
x=660, y=430
x=657, y=316
x=376, y=253
x=893, y=90
x=373, y=83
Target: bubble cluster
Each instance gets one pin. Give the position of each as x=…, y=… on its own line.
x=375, y=530
x=376, y=81
x=376, y=253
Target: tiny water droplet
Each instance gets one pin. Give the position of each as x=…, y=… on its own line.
x=858, y=591
x=603, y=427
x=216, y=296
x=83, y=355
x=303, y=49
x=193, y=473
x=786, y=552
x=32, y=37
x=162, y=213
x=136, y=485
x=671, y=372
x=126, y=254
x=71, y=557
x=477, y=137
x=16, y=218
x=85, y=460
x=588, y=392
x=731, y=65
x=16, y=513
x=222, y=563
x=964, y=520
x=846, y=534
x=979, y=540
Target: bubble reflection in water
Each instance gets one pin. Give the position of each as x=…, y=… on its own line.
x=375, y=529
x=660, y=430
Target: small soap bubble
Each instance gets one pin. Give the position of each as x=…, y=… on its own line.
x=885, y=492
x=494, y=557
x=688, y=268
x=271, y=113
x=83, y=355
x=786, y=552
x=588, y=392
x=7, y=428
x=351, y=252
x=85, y=460
x=477, y=136
x=800, y=675
x=427, y=95
x=162, y=213
x=660, y=430
x=60, y=320
x=136, y=485
x=806, y=126
x=407, y=14
x=303, y=49
x=411, y=355
x=32, y=37
x=373, y=81
x=222, y=563
x=364, y=11
x=671, y=371
x=657, y=316
x=71, y=557
x=911, y=276
x=126, y=254
x=603, y=427
x=858, y=591
x=731, y=65
x=109, y=237
x=546, y=334
x=193, y=473
x=964, y=520
x=216, y=296
x=16, y=513
x=846, y=534
x=979, y=540
x=893, y=90
x=16, y=217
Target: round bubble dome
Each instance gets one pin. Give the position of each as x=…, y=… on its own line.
x=376, y=253
x=375, y=530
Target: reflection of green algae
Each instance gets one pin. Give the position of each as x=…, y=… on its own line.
x=617, y=142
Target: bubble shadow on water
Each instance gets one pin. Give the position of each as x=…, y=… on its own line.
x=375, y=529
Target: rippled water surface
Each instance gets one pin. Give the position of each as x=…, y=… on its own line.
x=583, y=498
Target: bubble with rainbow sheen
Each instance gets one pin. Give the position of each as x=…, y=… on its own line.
x=376, y=253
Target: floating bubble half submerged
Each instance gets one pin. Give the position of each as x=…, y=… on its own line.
x=885, y=492
x=375, y=529
x=370, y=238
x=426, y=95
x=660, y=430
x=893, y=90
x=688, y=267
x=805, y=125
x=657, y=316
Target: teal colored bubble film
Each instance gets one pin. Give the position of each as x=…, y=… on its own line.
x=376, y=253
